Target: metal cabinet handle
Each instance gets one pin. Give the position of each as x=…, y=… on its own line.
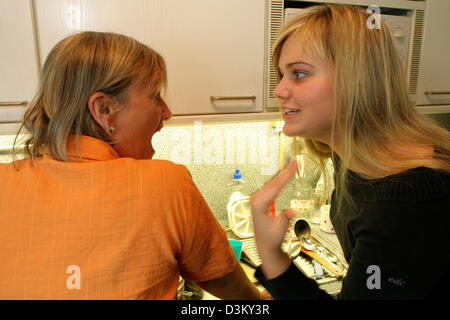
x=429, y=93
x=14, y=104
x=215, y=98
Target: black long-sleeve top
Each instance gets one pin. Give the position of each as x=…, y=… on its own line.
x=397, y=230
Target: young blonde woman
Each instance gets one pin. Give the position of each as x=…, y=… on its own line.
x=343, y=89
x=89, y=215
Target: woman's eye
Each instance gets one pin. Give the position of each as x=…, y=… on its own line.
x=299, y=74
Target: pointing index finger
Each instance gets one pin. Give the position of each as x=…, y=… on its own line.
x=275, y=185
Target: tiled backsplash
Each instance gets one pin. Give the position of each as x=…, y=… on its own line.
x=6, y=143
x=212, y=152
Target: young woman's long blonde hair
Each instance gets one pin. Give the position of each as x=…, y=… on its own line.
x=75, y=68
x=372, y=106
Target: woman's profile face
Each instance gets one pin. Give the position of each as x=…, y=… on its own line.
x=140, y=117
x=305, y=91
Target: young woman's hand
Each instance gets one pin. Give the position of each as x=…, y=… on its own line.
x=270, y=230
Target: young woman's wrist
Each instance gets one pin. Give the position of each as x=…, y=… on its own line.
x=274, y=263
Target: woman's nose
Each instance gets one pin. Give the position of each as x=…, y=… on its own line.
x=166, y=113
x=281, y=91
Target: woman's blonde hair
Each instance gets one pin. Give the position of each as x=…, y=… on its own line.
x=75, y=68
x=372, y=106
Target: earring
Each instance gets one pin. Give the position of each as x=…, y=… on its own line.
x=111, y=130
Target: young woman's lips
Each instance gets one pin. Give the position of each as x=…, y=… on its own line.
x=290, y=113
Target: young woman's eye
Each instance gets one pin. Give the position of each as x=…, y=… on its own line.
x=299, y=74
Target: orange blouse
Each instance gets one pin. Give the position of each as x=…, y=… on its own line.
x=104, y=227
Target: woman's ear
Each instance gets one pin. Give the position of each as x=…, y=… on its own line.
x=100, y=105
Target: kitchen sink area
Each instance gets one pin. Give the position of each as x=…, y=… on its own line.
x=329, y=282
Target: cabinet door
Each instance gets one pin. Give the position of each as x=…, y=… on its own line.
x=211, y=47
x=433, y=87
x=18, y=69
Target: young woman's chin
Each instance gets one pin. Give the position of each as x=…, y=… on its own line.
x=292, y=131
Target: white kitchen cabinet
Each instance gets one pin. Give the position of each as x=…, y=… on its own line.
x=18, y=64
x=212, y=48
x=433, y=87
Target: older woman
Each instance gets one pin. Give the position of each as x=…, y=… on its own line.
x=88, y=215
x=342, y=88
